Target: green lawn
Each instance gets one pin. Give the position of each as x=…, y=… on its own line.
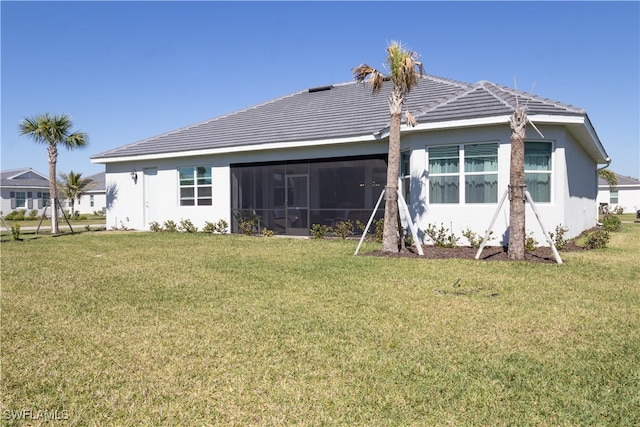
x=125, y=328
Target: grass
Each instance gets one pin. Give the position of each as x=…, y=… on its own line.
x=125, y=328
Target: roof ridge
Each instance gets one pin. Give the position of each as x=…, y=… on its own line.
x=458, y=95
x=530, y=96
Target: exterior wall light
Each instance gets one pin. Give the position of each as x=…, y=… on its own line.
x=134, y=176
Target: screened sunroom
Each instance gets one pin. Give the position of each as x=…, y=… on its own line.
x=289, y=197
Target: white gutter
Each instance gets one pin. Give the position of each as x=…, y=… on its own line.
x=376, y=136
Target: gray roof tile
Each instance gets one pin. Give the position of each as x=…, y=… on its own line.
x=340, y=111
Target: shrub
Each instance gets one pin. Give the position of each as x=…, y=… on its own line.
x=33, y=214
x=618, y=210
x=441, y=237
x=170, y=226
x=379, y=229
x=17, y=215
x=222, y=226
x=530, y=243
x=343, y=229
x=558, y=236
x=209, y=227
x=475, y=240
x=266, y=232
x=155, y=226
x=246, y=226
x=187, y=226
x=319, y=231
x=597, y=240
x=611, y=223
x=15, y=232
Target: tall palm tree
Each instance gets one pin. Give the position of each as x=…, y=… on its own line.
x=73, y=186
x=405, y=73
x=516, y=246
x=53, y=130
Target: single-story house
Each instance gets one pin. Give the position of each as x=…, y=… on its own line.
x=94, y=199
x=625, y=195
x=319, y=156
x=23, y=189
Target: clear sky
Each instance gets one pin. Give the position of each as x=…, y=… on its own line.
x=125, y=71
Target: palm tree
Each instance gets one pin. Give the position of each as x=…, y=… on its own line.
x=405, y=72
x=73, y=186
x=516, y=246
x=53, y=130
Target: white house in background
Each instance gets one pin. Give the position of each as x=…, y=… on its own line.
x=625, y=195
x=94, y=199
x=319, y=155
x=24, y=189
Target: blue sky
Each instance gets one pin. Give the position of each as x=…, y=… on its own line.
x=125, y=71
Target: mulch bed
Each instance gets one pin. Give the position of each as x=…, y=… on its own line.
x=489, y=253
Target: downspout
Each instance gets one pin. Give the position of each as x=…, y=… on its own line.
x=608, y=160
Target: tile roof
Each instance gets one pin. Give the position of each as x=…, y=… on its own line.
x=23, y=178
x=99, y=183
x=622, y=181
x=340, y=111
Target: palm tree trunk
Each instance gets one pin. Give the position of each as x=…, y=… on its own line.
x=53, y=157
x=517, y=187
x=390, y=234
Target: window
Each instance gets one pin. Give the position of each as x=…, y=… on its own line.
x=613, y=197
x=479, y=170
x=444, y=168
x=537, y=170
x=91, y=200
x=405, y=174
x=481, y=173
x=21, y=199
x=195, y=186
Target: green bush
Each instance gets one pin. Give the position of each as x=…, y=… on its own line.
x=222, y=226
x=475, y=240
x=343, y=229
x=319, y=231
x=611, y=223
x=186, y=226
x=597, y=239
x=379, y=229
x=17, y=215
x=441, y=237
x=33, y=214
x=170, y=226
x=530, y=243
x=246, y=226
x=155, y=226
x=558, y=237
x=266, y=232
x=15, y=232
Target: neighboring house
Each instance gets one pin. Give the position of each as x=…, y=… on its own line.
x=319, y=156
x=24, y=189
x=94, y=199
x=625, y=195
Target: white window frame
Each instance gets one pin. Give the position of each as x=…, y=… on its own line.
x=462, y=174
x=543, y=171
x=197, y=198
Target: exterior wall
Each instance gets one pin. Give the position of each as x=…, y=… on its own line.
x=127, y=202
x=572, y=204
x=31, y=204
x=578, y=188
x=84, y=205
x=628, y=197
x=575, y=209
